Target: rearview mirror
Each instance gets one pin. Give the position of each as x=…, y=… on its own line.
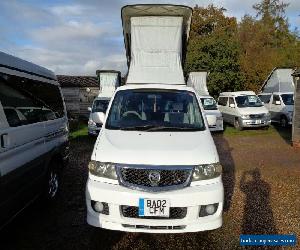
x=90, y=109
x=99, y=117
x=277, y=102
x=231, y=105
x=211, y=120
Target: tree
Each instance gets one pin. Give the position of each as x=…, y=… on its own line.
x=214, y=46
x=266, y=42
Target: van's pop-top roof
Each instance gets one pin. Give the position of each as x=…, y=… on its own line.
x=109, y=80
x=15, y=63
x=198, y=80
x=155, y=37
x=280, y=80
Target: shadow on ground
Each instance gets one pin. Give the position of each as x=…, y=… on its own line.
x=226, y=159
x=285, y=133
x=258, y=215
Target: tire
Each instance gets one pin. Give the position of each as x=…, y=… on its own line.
x=52, y=181
x=283, y=122
x=237, y=124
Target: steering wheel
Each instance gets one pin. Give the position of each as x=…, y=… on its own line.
x=133, y=113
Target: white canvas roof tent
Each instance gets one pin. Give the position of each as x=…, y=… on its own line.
x=109, y=80
x=14, y=63
x=155, y=37
x=198, y=80
x=280, y=80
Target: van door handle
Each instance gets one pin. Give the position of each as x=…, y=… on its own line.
x=3, y=140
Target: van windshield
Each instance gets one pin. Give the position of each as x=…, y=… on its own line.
x=288, y=99
x=245, y=101
x=155, y=110
x=209, y=103
x=100, y=106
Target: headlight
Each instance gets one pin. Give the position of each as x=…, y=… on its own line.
x=207, y=171
x=245, y=116
x=91, y=123
x=103, y=169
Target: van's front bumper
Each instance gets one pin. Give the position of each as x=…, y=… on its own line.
x=192, y=198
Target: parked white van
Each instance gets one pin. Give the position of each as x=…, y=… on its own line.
x=33, y=135
x=155, y=167
x=280, y=106
x=243, y=109
x=109, y=80
x=198, y=80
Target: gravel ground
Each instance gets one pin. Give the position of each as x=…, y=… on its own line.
x=261, y=179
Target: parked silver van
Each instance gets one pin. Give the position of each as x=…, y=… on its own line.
x=280, y=106
x=243, y=109
x=33, y=135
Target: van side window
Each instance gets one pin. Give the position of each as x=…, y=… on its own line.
x=222, y=101
x=27, y=101
x=265, y=98
x=231, y=101
x=275, y=99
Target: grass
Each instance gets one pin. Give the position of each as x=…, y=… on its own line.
x=80, y=130
x=230, y=131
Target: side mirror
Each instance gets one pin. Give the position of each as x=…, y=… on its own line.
x=277, y=102
x=90, y=109
x=99, y=117
x=231, y=105
x=211, y=120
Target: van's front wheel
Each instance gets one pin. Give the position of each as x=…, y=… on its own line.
x=283, y=122
x=237, y=124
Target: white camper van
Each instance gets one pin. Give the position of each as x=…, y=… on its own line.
x=155, y=167
x=278, y=96
x=198, y=80
x=33, y=135
x=109, y=80
x=243, y=109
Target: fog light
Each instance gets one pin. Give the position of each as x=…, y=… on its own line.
x=210, y=209
x=100, y=207
x=206, y=210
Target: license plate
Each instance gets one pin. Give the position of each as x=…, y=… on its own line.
x=258, y=122
x=154, y=207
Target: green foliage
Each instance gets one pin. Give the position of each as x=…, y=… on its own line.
x=240, y=56
x=214, y=47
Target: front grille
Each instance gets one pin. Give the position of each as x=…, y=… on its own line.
x=139, y=178
x=256, y=116
x=133, y=212
x=154, y=227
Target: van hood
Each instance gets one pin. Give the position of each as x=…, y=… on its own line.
x=253, y=110
x=155, y=148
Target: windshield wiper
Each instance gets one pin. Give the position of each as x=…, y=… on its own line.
x=144, y=127
x=161, y=128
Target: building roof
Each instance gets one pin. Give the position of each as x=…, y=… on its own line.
x=77, y=81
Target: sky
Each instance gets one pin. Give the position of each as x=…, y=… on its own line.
x=80, y=36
